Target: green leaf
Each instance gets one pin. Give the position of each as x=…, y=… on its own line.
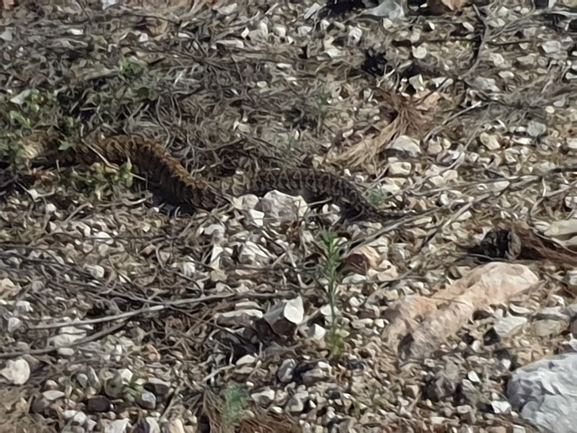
x=143, y=93
x=14, y=115
x=64, y=145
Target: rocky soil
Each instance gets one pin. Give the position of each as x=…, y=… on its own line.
x=121, y=314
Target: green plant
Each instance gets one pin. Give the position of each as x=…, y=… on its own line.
x=292, y=143
x=118, y=387
x=31, y=107
x=100, y=180
x=131, y=69
x=70, y=126
x=234, y=401
x=11, y=151
x=132, y=389
x=330, y=270
x=17, y=119
x=377, y=196
x=323, y=101
x=25, y=112
x=290, y=147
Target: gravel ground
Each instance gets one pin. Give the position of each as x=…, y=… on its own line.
x=120, y=314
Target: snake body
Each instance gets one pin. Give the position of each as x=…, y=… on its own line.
x=191, y=192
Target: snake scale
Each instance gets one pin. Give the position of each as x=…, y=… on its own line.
x=190, y=192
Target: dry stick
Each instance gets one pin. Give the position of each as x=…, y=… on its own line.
x=154, y=309
x=570, y=186
x=440, y=127
x=455, y=164
x=481, y=45
x=170, y=403
x=440, y=227
x=460, y=212
x=354, y=244
x=47, y=350
x=484, y=38
x=553, y=194
x=217, y=371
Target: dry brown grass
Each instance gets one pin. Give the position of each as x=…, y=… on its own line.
x=407, y=120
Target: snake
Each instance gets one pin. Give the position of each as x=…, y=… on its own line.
x=191, y=192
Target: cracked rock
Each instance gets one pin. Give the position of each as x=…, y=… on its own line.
x=548, y=328
x=315, y=375
x=159, y=387
x=264, y=398
x=147, y=400
x=509, y=326
x=296, y=403
x=118, y=426
x=544, y=392
x=252, y=253
x=52, y=395
x=16, y=371
x=282, y=208
x=284, y=318
x=535, y=129
x=406, y=145
x=286, y=370
x=552, y=313
x=238, y=318
x=98, y=403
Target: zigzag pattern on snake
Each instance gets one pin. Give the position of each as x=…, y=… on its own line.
x=179, y=187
